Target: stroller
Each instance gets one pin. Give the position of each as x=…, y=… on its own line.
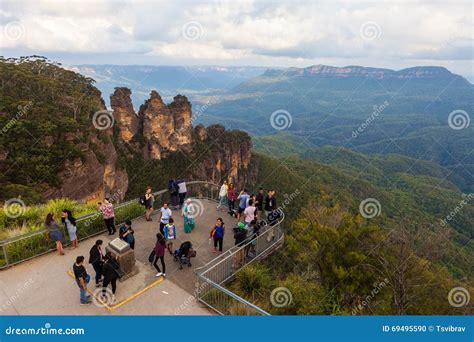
x=184, y=254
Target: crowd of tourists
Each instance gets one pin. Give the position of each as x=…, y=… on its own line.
x=252, y=212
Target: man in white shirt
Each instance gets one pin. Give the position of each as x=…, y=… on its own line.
x=223, y=195
x=165, y=217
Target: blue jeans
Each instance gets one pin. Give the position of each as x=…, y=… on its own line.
x=222, y=201
x=84, y=297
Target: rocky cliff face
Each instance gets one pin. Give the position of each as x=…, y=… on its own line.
x=229, y=158
x=89, y=179
x=167, y=128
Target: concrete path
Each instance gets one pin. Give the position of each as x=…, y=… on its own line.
x=42, y=286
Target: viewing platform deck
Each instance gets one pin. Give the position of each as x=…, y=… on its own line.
x=42, y=286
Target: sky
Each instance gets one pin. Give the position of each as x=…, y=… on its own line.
x=389, y=34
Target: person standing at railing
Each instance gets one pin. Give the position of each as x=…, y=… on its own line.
x=270, y=203
x=107, y=211
x=70, y=224
x=223, y=195
x=182, y=191
x=149, y=200
x=243, y=202
x=54, y=232
x=231, y=198
x=173, y=189
x=273, y=214
x=260, y=197
x=250, y=212
x=217, y=234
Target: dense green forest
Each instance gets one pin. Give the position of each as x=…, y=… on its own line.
x=334, y=261
x=404, y=112
x=45, y=114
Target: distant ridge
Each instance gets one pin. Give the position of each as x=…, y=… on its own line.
x=426, y=72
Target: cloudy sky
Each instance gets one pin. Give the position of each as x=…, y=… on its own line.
x=392, y=34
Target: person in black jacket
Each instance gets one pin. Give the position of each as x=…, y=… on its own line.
x=111, y=272
x=240, y=236
x=96, y=259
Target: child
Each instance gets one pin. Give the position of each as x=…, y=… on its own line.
x=170, y=235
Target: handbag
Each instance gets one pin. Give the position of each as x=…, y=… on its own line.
x=87, y=278
x=151, y=257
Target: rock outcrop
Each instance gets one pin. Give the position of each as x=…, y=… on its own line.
x=164, y=129
x=229, y=157
x=124, y=114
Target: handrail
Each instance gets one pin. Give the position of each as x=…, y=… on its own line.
x=232, y=250
x=40, y=248
x=88, y=216
x=219, y=270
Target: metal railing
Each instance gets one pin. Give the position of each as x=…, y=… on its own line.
x=213, y=276
x=31, y=245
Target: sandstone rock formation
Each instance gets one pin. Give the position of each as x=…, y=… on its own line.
x=124, y=114
x=164, y=129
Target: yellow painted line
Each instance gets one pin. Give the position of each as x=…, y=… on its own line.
x=137, y=294
x=126, y=300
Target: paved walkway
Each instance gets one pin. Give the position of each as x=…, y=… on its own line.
x=42, y=286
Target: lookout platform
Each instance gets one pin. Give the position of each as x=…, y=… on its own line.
x=42, y=286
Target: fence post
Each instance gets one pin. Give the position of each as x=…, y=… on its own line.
x=5, y=255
